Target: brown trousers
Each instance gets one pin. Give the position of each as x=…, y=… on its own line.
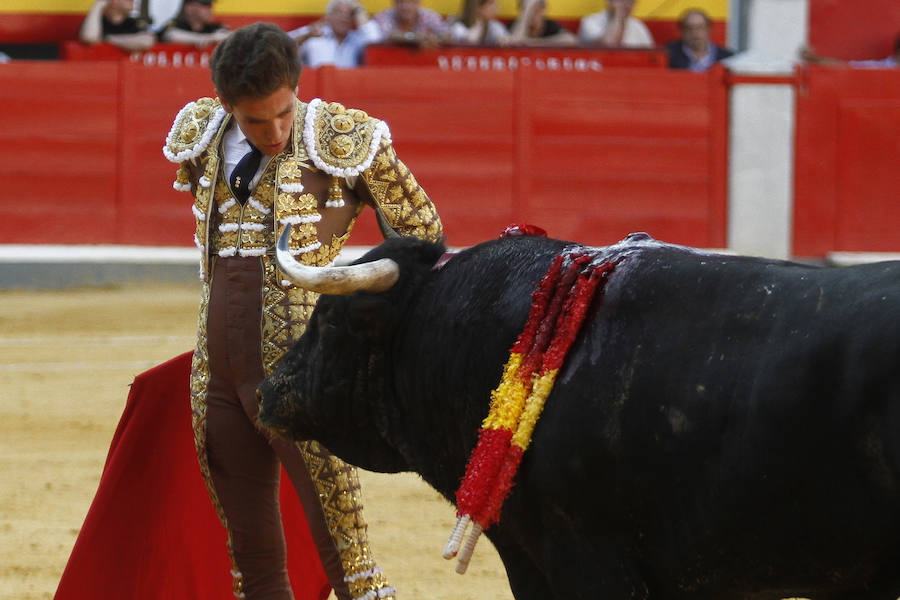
x=243, y=460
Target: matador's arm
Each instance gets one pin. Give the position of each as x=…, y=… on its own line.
x=389, y=185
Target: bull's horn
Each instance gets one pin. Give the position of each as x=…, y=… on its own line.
x=376, y=276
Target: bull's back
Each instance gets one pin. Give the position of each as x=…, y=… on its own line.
x=739, y=413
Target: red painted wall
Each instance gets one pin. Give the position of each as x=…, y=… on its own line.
x=847, y=183
x=854, y=30
x=60, y=152
x=588, y=156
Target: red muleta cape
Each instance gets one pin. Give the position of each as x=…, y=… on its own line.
x=151, y=531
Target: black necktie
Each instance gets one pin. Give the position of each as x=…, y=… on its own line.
x=243, y=173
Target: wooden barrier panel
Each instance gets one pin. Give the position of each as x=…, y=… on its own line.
x=588, y=156
x=874, y=24
x=59, y=157
x=846, y=176
x=606, y=154
x=160, y=55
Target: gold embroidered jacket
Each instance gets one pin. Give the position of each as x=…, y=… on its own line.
x=329, y=142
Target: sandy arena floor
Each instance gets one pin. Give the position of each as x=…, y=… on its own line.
x=66, y=360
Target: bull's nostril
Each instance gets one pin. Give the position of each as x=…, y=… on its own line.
x=261, y=413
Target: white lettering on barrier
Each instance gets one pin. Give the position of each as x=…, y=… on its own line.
x=458, y=62
x=164, y=58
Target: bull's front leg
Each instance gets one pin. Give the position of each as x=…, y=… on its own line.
x=526, y=579
x=585, y=567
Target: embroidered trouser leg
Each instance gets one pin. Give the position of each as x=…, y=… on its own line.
x=243, y=462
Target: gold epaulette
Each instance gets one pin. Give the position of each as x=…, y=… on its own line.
x=341, y=141
x=194, y=128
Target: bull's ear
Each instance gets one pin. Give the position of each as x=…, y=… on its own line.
x=369, y=315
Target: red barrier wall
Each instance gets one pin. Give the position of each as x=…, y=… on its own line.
x=865, y=29
x=847, y=183
x=160, y=55
x=591, y=156
x=637, y=150
x=60, y=152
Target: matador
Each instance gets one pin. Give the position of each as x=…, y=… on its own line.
x=334, y=161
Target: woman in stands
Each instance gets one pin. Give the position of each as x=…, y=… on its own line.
x=110, y=21
x=477, y=24
x=194, y=26
x=533, y=28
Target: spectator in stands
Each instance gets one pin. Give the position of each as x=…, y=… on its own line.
x=477, y=24
x=407, y=22
x=194, y=26
x=533, y=28
x=111, y=21
x=891, y=62
x=695, y=51
x=615, y=27
x=339, y=38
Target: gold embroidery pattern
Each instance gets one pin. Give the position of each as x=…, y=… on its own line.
x=219, y=239
x=193, y=129
x=199, y=388
x=301, y=210
x=243, y=229
x=203, y=197
x=338, y=487
x=299, y=150
x=289, y=171
x=326, y=254
x=407, y=208
x=183, y=177
x=201, y=202
x=343, y=137
x=285, y=315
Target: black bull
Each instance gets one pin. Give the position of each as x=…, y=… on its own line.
x=723, y=427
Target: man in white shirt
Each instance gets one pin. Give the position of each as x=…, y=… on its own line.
x=615, y=27
x=339, y=38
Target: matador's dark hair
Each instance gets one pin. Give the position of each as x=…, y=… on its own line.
x=253, y=62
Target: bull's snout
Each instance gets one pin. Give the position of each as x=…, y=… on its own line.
x=279, y=409
x=269, y=416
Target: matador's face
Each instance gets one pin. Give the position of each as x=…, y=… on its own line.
x=266, y=121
